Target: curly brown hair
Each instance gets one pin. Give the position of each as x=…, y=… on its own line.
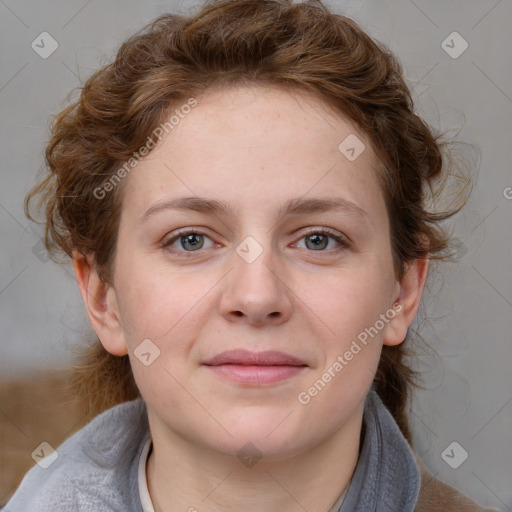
x=300, y=46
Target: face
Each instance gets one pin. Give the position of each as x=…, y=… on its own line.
x=256, y=311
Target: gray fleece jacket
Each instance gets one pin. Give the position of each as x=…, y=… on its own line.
x=97, y=469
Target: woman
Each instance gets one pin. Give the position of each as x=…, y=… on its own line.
x=243, y=195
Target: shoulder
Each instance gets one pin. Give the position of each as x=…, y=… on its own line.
x=437, y=496
x=399, y=462
x=91, y=469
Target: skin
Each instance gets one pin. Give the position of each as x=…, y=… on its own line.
x=254, y=148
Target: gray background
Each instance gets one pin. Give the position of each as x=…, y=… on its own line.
x=468, y=395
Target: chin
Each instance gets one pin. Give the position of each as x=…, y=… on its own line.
x=272, y=435
x=249, y=449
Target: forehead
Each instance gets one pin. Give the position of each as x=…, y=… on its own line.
x=254, y=147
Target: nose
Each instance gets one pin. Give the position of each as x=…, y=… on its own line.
x=255, y=290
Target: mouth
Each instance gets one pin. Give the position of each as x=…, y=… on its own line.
x=255, y=368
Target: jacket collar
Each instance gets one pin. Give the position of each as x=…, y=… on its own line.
x=387, y=477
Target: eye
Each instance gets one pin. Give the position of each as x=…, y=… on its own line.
x=188, y=240
x=318, y=240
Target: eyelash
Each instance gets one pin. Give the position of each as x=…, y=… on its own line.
x=344, y=243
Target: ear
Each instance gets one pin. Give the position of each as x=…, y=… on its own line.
x=101, y=305
x=407, y=301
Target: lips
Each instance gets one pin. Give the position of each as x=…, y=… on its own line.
x=247, y=358
x=255, y=368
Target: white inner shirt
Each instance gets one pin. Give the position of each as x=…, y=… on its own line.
x=145, y=498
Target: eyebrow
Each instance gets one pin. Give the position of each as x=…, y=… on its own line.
x=297, y=206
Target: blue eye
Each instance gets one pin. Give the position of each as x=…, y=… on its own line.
x=190, y=241
x=320, y=240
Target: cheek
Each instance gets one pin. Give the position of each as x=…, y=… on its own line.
x=356, y=299
x=352, y=356
x=357, y=311
x=153, y=302
x=352, y=309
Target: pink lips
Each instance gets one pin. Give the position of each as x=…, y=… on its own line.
x=258, y=368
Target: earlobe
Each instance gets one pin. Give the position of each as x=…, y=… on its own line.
x=407, y=301
x=101, y=305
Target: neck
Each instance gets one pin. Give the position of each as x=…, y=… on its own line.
x=186, y=477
